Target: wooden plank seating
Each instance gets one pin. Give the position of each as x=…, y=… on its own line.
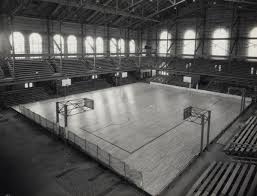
x=106, y=65
x=245, y=142
x=224, y=178
x=148, y=62
x=32, y=69
x=75, y=67
x=128, y=64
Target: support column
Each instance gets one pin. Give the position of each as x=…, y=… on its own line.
x=65, y=115
x=202, y=133
x=5, y=46
x=82, y=41
x=208, y=129
x=107, y=41
x=57, y=112
x=27, y=48
x=48, y=38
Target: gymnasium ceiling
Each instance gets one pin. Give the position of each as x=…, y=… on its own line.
x=117, y=13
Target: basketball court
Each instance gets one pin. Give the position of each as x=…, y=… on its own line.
x=142, y=125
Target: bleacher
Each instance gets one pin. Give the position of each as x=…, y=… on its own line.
x=75, y=67
x=15, y=97
x=148, y=62
x=129, y=64
x=226, y=178
x=28, y=70
x=244, y=144
x=106, y=65
x=125, y=64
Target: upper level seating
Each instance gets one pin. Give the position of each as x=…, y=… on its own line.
x=125, y=64
x=27, y=70
x=130, y=64
x=105, y=65
x=23, y=96
x=75, y=67
x=148, y=62
x=43, y=69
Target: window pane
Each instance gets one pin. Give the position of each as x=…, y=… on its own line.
x=89, y=45
x=189, y=43
x=99, y=46
x=164, y=43
x=252, y=43
x=132, y=47
x=113, y=47
x=121, y=47
x=35, y=43
x=58, y=44
x=19, y=43
x=72, y=45
x=220, y=45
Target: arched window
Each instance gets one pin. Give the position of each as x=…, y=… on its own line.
x=220, y=42
x=58, y=44
x=35, y=44
x=189, y=42
x=132, y=47
x=252, y=43
x=72, y=45
x=164, y=43
x=89, y=45
x=113, y=47
x=121, y=46
x=99, y=46
x=19, y=43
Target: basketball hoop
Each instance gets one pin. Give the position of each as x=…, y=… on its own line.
x=73, y=107
x=201, y=117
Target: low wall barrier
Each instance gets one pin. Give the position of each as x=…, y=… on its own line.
x=91, y=149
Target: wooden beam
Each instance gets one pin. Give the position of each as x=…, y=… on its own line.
x=160, y=11
x=96, y=12
x=102, y=9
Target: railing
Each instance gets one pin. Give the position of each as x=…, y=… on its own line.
x=91, y=149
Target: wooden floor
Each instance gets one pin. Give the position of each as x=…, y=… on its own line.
x=142, y=125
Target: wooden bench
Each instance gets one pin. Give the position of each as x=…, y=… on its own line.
x=223, y=178
x=244, y=143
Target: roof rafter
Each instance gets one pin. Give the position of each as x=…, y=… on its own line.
x=174, y=4
x=107, y=10
x=96, y=12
